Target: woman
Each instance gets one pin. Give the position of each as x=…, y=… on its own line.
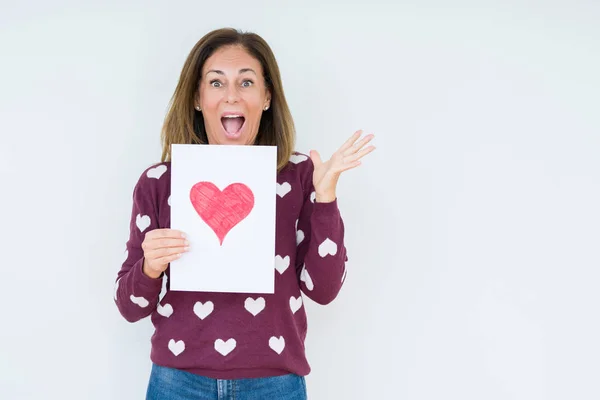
x=235, y=345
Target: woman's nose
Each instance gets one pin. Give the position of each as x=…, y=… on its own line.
x=232, y=94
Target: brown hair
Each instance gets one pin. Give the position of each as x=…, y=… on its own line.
x=184, y=125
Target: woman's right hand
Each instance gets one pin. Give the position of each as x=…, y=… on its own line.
x=161, y=246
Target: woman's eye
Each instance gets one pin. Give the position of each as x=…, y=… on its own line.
x=246, y=83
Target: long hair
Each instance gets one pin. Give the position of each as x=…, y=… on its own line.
x=184, y=125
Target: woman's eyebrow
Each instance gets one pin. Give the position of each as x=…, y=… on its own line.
x=241, y=71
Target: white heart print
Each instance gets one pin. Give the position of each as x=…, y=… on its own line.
x=327, y=247
x=156, y=172
x=282, y=263
x=176, y=347
x=299, y=237
x=295, y=303
x=140, y=301
x=277, y=344
x=305, y=277
x=142, y=222
x=163, y=289
x=225, y=348
x=254, y=306
x=203, y=310
x=117, y=288
x=313, y=197
x=298, y=158
x=283, y=189
x=165, y=310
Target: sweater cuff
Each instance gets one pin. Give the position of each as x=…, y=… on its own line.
x=143, y=281
x=326, y=210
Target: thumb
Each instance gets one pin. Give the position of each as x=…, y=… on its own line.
x=315, y=157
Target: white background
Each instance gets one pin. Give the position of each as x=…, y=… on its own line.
x=472, y=231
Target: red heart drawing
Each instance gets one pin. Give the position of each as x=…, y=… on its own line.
x=222, y=210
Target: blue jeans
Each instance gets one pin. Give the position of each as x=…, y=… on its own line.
x=173, y=384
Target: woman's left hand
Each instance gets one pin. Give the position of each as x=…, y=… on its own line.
x=326, y=174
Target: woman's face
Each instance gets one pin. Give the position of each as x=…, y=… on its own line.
x=232, y=83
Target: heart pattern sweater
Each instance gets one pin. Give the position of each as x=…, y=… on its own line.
x=237, y=335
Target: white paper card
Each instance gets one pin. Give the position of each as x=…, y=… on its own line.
x=223, y=198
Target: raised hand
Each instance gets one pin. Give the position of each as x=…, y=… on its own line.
x=326, y=174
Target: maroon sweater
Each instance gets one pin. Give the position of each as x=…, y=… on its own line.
x=237, y=335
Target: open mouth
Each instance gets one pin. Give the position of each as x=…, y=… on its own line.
x=233, y=125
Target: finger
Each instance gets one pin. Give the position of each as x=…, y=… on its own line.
x=158, y=243
x=168, y=242
x=315, y=157
x=359, y=155
x=165, y=252
x=164, y=233
x=163, y=262
x=356, y=147
x=351, y=141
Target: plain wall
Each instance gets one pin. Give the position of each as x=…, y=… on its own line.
x=472, y=231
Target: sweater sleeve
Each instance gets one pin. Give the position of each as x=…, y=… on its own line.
x=321, y=254
x=136, y=294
